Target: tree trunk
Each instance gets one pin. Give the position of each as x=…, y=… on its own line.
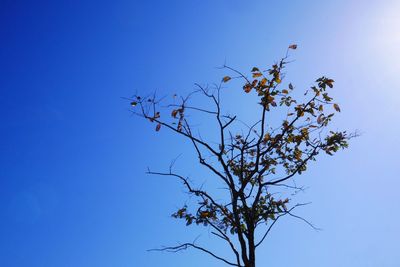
x=252, y=250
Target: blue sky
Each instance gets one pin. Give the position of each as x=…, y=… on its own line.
x=72, y=182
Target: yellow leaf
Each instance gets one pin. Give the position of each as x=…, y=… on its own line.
x=321, y=108
x=263, y=82
x=257, y=74
x=266, y=137
x=304, y=132
x=297, y=154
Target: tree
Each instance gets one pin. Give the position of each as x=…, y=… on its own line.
x=253, y=161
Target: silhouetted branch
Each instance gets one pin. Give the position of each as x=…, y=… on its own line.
x=188, y=245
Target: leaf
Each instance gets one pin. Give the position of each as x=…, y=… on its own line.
x=321, y=108
x=257, y=74
x=254, y=69
x=133, y=103
x=329, y=82
x=266, y=137
x=204, y=214
x=174, y=113
x=326, y=97
x=293, y=46
x=320, y=118
x=284, y=91
x=247, y=88
x=290, y=86
x=336, y=107
x=226, y=79
x=298, y=154
x=158, y=127
x=263, y=81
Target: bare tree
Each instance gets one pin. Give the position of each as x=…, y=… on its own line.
x=251, y=160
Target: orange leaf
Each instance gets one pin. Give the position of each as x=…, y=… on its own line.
x=263, y=82
x=266, y=137
x=226, y=79
x=204, y=214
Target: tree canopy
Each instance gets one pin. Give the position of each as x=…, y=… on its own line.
x=252, y=160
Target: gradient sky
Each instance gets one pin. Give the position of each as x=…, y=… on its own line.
x=73, y=191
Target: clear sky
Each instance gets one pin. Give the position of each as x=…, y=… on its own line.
x=72, y=186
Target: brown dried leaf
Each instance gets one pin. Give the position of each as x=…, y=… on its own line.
x=226, y=79
x=320, y=118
